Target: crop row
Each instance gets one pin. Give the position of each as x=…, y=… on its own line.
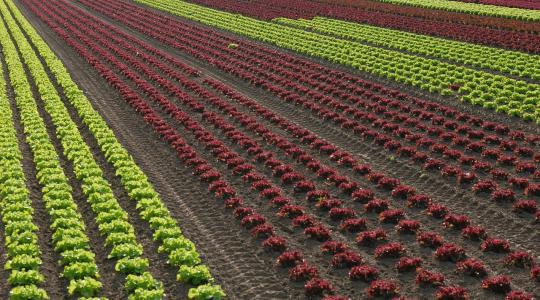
x=504, y=61
x=527, y=4
x=440, y=15
x=473, y=8
x=16, y=210
x=223, y=191
x=491, y=91
x=463, y=27
x=244, y=70
x=111, y=218
x=235, y=163
x=69, y=236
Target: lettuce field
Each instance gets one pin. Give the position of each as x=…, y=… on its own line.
x=276, y=149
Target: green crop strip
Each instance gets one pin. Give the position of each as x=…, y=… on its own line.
x=514, y=97
x=181, y=252
x=473, y=8
x=16, y=210
x=69, y=236
x=505, y=61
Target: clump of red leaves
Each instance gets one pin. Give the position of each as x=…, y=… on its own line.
x=407, y=264
x=388, y=183
x=403, y=191
x=346, y=259
x=535, y=273
x=365, y=273
x=456, y=221
x=280, y=201
x=367, y=238
x=527, y=206
x=263, y=231
x=484, y=186
x=317, y=287
x=252, y=220
x=241, y=212
x=390, y=250
x=304, y=186
x=333, y=247
x=318, y=232
x=519, y=183
x=474, y=233
x=391, y=216
x=495, y=245
x=452, y=293
x=408, y=226
x=472, y=267
x=328, y=204
x=275, y=243
x=376, y=205
x=270, y=193
x=426, y=277
x=382, y=288
x=290, y=258
x=303, y=221
x=520, y=259
x=503, y=195
x=429, y=239
x=338, y=213
x=498, y=284
x=450, y=252
x=362, y=195
x=233, y=202
x=291, y=211
x=418, y=201
x=518, y=295
x=303, y=271
x=362, y=169
x=437, y=210
x=354, y=225
x=533, y=190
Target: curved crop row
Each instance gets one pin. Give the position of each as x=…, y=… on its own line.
x=491, y=91
x=166, y=231
x=69, y=236
x=504, y=61
x=473, y=8
x=16, y=210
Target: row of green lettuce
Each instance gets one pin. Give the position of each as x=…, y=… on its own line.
x=501, y=60
x=21, y=240
x=514, y=97
x=68, y=229
x=112, y=220
x=473, y=8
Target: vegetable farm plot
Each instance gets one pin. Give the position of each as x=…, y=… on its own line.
x=235, y=149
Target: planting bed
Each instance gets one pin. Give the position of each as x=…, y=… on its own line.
x=160, y=149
